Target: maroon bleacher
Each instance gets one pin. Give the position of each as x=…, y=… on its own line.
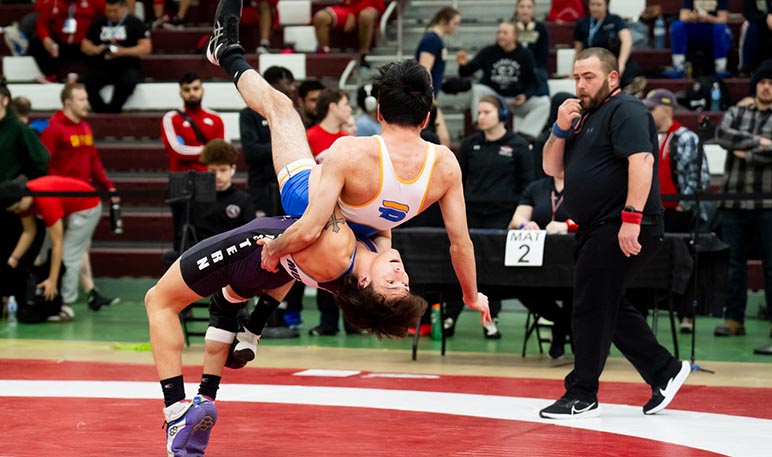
x=126, y=125
x=140, y=157
x=128, y=260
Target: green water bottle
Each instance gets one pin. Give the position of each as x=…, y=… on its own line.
x=436, y=318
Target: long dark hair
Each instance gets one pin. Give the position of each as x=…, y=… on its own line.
x=368, y=310
x=446, y=13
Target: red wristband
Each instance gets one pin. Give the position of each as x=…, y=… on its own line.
x=571, y=226
x=632, y=218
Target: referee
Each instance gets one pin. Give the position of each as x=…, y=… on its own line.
x=604, y=145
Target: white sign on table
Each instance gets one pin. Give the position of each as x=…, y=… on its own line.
x=524, y=248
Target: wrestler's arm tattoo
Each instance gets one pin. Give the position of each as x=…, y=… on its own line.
x=335, y=222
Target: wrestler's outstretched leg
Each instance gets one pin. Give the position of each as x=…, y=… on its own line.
x=186, y=422
x=288, y=135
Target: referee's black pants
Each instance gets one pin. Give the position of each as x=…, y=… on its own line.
x=602, y=316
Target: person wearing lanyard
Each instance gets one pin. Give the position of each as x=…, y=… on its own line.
x=607, y=31
x=604, y=144
x=114, y=43
x=541, y=208
x=59, y=31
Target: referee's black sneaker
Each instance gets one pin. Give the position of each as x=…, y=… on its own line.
x=568, y=408
x=225, y=34
x=662, y=395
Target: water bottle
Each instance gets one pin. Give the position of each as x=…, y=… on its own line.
x=13, y=308
x=659, y=33
x=715, y=97
x=116, y=221
x=436, y=322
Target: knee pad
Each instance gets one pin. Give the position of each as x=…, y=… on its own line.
x=224, y=314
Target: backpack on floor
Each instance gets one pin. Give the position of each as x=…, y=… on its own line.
x=36, y=308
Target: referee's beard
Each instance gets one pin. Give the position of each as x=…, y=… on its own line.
x=595, y=100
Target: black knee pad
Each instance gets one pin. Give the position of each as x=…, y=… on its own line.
x=224, y=314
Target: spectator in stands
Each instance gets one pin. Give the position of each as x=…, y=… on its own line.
x=677, y=160
x=431, y=51
x=256, y=144
x=533, y=35
x=70, y=223
x=70, y=142
x=701, y=25
x=233, y=207
x=60, y=29
x=308, y=95
x=747, y=134
x=22, y=106
x=21, y=153
x=350, y=15
x=496, y=167
x=114, y=42
x=755, y=35
x=509, y=71
x=262, y=13
x=541, y=208
x=333, y=111
x=367, y=123
x=604, y=30
x=163, y=18
x=184, y=133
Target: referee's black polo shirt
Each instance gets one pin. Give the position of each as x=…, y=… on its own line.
x=596, y=161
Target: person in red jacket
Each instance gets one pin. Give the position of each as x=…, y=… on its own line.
x=70, y=142
x=184, y=133
x=59, y=30
x=70, y=222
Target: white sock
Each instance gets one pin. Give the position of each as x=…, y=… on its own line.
x=247, y=340
x=720, y=64
x=678, y=62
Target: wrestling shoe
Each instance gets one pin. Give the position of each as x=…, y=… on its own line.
x=244, y=349
x=662, y=395
x=567, y=408
x=96, y=301
x=188, y=425
x=225, y=34
x=491, y=330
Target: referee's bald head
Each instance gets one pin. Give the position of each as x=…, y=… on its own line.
x=608, y=61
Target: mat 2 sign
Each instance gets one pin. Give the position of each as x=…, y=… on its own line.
x=524, y=248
